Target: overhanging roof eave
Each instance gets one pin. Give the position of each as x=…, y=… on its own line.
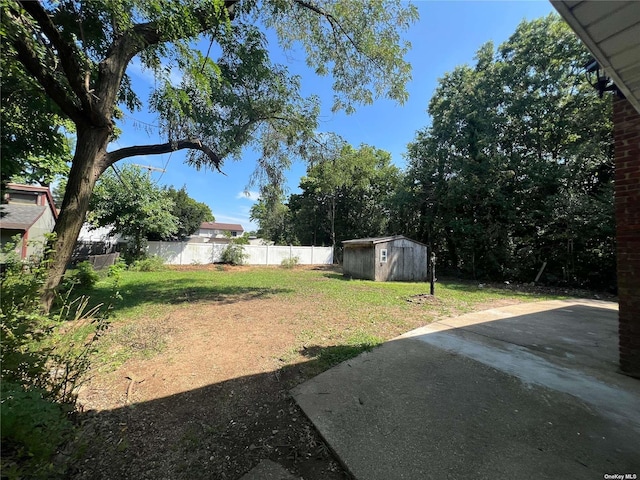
x=605, y=62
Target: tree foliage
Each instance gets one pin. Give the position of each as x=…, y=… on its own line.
x=273, y=216
x=189, y=214
x=33, y=132
x=133, y=206
x=516, y=168
x=230, y=97
x=345, y=194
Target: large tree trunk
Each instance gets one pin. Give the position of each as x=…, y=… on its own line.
x=86, y=168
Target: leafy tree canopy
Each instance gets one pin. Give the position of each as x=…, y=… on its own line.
x=189, y=213
x=33, y=132
x=132, y=205
x=273, y=217
x=518, y=152
x=346, y=194
x=82, y=51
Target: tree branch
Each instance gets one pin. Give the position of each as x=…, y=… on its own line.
x=133, y=41
x=337, y=27
x=28, y=57
x=335, y=24
x=158, y=149
x=68, y=53
x=143, y=35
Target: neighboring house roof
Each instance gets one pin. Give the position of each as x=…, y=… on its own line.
x=18, y=216
x=611, y=31
x=232, y=227
x=374, y=240
x=16, y=187
x=21, y=216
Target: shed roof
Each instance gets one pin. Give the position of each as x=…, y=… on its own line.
x=18, y=216
x=375, y=240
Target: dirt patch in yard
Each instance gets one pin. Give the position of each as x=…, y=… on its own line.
x=213, y=404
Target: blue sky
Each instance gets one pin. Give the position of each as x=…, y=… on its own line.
x=448, y=34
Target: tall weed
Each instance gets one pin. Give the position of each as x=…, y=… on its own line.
x=148, y=264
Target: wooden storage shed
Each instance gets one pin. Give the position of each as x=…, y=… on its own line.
x=385, y=259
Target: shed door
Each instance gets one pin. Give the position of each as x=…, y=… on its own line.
x=402, y=264
x=408, y=264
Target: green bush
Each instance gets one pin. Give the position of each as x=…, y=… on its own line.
x=85, y=275
x=290, y=262
x=134, y=251
x=43, y=359
x=117, y=268
x=149, y=264
x=21, y=282
x=233, y=254
x=33, y=428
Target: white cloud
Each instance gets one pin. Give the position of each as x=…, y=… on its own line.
x=175, y=77
x=249, y=195
x=136, y=69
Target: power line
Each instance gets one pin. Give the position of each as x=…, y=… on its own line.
x=140, y=121
x=165, y=168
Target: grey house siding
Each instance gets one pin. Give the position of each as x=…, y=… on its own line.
x=406, y=259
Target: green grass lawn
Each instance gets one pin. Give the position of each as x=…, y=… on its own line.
x=151, y=293
x=348, y=315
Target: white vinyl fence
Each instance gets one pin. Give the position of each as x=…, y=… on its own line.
x=184, y=253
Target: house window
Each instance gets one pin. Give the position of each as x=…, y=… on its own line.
x=26, y=198
x=383, y=255
x=234, y=234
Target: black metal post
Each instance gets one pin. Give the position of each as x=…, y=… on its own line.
x=432, y=273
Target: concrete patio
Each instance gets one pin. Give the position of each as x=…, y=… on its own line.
x=525, y=391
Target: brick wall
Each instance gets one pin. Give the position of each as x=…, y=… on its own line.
x=627, y=200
